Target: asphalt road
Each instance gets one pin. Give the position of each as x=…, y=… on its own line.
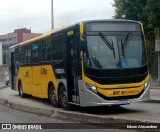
x=13, y=116
x=144, y=111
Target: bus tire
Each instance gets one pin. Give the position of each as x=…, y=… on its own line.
x=20, y=90
x=52, y=97
x=63, y=98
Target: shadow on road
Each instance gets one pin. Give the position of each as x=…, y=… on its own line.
x=100, y=110
x=105, y=110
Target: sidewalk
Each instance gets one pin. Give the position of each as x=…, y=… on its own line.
x=2, y=85
x=155, y=91
x=155, y=84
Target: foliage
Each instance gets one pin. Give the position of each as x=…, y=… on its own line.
x=146, y=11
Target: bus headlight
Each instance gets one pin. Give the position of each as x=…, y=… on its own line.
x=91, y=88
x=146, y=84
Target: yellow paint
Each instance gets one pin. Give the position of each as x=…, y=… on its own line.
x=81, y=29
x=45, y=79
x=144, y=37
x=36, y=84
x=146, y=79
x=25, y=80
x=84, y=78
x=142, y=28
x=70, y=33
x=118, y=92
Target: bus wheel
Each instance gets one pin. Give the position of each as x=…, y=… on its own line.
x=52, y=96
x=63, y=98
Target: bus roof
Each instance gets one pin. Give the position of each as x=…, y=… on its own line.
x=47, y=34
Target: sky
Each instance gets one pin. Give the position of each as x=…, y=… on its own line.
x=36, y=14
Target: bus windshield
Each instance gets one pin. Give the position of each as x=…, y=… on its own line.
x=112, y=52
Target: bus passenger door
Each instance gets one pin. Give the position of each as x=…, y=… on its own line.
x=72, y=54
x=12, y=70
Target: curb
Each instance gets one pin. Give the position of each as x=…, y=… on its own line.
x=155, y=87
x=24, y=108
x=88, y=118
x=153, y=101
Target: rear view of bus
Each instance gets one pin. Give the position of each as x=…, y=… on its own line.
x=114, y=63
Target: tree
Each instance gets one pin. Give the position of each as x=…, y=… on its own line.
x=146, y=11
x=132, y=9
x=152, y=10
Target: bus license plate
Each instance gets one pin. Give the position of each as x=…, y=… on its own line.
x=123, y=101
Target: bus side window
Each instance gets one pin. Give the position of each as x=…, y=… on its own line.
x=17, y=56
x=49, y=52
x=35, y=53
x=57, y=47
x=27, y=54
x=46, y=50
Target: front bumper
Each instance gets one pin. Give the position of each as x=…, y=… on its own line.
x=89, y=98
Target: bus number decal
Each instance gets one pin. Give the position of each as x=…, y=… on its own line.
x=26, y=73
x=43, y=71
x=59, y=71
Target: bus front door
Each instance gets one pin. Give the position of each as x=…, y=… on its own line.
x=72, y=68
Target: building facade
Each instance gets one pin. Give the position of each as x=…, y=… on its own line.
x=18, y=36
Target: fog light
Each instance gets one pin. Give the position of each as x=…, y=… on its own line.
x=91, y=88
x=146, y=85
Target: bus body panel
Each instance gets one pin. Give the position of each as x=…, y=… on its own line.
x=47, y=76
x=42, y=76
x=89, y=98
x=25, y=76
x=36, y=82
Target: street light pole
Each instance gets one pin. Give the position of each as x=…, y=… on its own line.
x=158, y=59
x=52, y=17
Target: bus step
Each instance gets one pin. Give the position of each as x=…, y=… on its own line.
x=75, y=98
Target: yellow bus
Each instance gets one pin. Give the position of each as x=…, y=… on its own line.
x=90, y=63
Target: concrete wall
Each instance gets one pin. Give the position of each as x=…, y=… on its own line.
x=4, y=72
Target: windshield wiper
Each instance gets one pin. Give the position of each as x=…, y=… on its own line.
x=124, y=45
x=126, y=40
x=107, y=42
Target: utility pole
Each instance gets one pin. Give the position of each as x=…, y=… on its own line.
x=52, y=17
x=6, y=54
x=158, y=60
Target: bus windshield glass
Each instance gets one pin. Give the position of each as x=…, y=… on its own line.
x=114, y=51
